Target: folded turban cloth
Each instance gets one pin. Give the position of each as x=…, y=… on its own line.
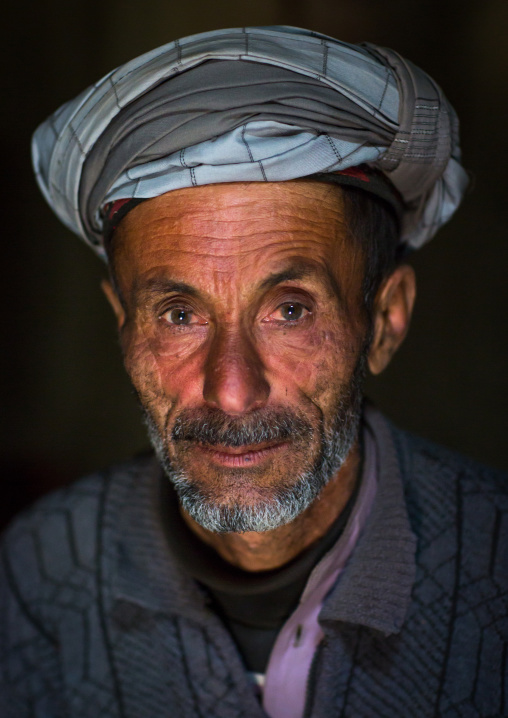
x=252, y=104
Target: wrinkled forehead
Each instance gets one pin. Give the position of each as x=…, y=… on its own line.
x=241, y=233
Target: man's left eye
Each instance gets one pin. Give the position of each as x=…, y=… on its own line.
x=289, y=312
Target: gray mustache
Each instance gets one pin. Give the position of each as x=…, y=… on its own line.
x=213, y=427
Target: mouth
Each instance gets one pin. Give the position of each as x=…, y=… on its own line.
x=243, y=455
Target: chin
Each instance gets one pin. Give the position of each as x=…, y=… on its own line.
x=258, y=498
x=248, y=508
x=258, y=472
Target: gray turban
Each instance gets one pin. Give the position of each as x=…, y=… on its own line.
x=251, y=104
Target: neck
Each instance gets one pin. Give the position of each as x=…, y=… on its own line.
x=253, y=551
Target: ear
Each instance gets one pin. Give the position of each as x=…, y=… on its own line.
x=392, y=312
x=114, y=301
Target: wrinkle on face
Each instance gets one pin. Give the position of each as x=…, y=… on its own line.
x=226, y=242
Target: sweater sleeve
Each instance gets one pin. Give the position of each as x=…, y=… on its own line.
x=30, y=680
x=47, y=604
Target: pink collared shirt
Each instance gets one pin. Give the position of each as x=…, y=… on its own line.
x=285, y=682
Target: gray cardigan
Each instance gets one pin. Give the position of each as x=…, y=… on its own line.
x=98, y=621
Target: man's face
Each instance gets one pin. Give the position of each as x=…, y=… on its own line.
x=244, y=335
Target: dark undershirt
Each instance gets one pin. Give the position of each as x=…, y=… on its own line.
x=253, y=605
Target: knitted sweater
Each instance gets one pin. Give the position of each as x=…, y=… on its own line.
x=98, y=620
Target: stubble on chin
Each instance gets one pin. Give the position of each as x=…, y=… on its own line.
x=226, y=500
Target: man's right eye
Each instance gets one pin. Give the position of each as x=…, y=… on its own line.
x=179, y=316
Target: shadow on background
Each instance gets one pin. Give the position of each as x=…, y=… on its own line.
x=67, y=407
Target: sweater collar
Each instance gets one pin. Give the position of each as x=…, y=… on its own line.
x=138, y=567
x=375, y=588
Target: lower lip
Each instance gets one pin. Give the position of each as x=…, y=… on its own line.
x=249, y=458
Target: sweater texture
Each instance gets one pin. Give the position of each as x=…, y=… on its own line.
x=97, y=618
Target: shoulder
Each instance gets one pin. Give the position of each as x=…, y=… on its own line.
x=441, y=486
x=432, y=465
x=54, y=546
x=450, y=487
x=458, y=509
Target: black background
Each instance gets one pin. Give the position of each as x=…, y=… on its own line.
x=66, y=403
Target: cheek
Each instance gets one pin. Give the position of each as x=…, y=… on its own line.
x=315, y=362
x=160, y=366
x=142, y=367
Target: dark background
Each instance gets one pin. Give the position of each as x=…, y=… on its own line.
x=66, y=406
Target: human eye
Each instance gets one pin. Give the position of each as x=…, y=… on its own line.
x=179, y=316
x=289, y=312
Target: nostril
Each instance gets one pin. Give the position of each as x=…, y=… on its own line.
x=235, y=382
x=236, y=392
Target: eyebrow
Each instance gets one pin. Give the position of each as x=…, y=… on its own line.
x=301, y=270
x=166, y=286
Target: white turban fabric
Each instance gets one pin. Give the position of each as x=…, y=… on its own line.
x=252, y=104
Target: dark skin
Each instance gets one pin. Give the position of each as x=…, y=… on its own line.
x=243, y=296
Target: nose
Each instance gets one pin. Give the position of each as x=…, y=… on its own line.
x=234, y=374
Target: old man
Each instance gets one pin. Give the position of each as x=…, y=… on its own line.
x=286, y=552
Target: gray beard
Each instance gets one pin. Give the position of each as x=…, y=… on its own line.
x=288, y=500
